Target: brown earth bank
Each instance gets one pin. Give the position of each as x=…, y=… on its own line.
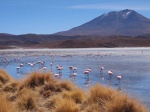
x=57, y=41
x=41, y=92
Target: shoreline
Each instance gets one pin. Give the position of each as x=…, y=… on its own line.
x=46, y=49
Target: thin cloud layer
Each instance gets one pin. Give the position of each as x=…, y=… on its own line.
x=115, y=6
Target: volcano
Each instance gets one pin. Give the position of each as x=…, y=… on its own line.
x=125, y=22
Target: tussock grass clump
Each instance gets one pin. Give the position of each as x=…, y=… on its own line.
x=4, y=77
x=66, y=105
x=109, y=100
x=27, y=100
x=52, y=87
x=1, y=84
x=77, y=95
x=93, y=108
x=101, y=93
x=11, y=86
x=123, y=103
x=67, y=85
x=36, y=79
x=5, y=105
x=50, y=103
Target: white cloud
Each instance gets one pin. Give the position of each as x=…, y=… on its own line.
x=115, y=6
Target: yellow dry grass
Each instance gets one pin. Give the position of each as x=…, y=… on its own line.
x=6, y=105
x=77, y=95
x=110, y=100
x=27, y=100
x=41, y=92
x=4, y=77
x=66, y=105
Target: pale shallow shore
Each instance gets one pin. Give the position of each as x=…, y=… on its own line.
x=57, y=49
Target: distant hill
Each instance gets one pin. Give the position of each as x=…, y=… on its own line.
x=57, y=41
x=126, y=22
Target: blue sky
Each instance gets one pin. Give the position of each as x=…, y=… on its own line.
x=50, y=16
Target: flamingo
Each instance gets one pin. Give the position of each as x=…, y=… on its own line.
x=102, y=68
x=89, y=69
x=31, y=64
x=6, y=61
x=110, y=73
x=74, y=75
x=119, y=78
x=101, y=72
x=43, y=63
x=86, y=73
x=39, y=62
x=71, y=68
x=21, y=65
x=59, y=68
x=74, y=69
x=44, y=68
x=51, y=64
x=18, y=68
x=56, y=75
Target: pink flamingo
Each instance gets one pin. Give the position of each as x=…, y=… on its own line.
x=44, y=68
x=18, y=68
x=56, y=75
x=74, y=69
x=87, y=71
x=51, y=64
x=110, y=73
x=74, y=76
x=21, y=64
x=39, y=62
x=6, y=61
x=59, y=68
x=31, y=65
x=71, y=68
x=119, y=78
x=101, y=72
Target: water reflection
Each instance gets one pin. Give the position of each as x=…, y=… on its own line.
x=87, y=82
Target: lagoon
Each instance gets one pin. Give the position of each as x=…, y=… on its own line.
x=133, y=64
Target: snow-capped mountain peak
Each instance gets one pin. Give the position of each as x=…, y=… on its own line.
x=124, y=22
x=126, y=14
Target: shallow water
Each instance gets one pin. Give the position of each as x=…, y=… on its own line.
x=133, y=64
